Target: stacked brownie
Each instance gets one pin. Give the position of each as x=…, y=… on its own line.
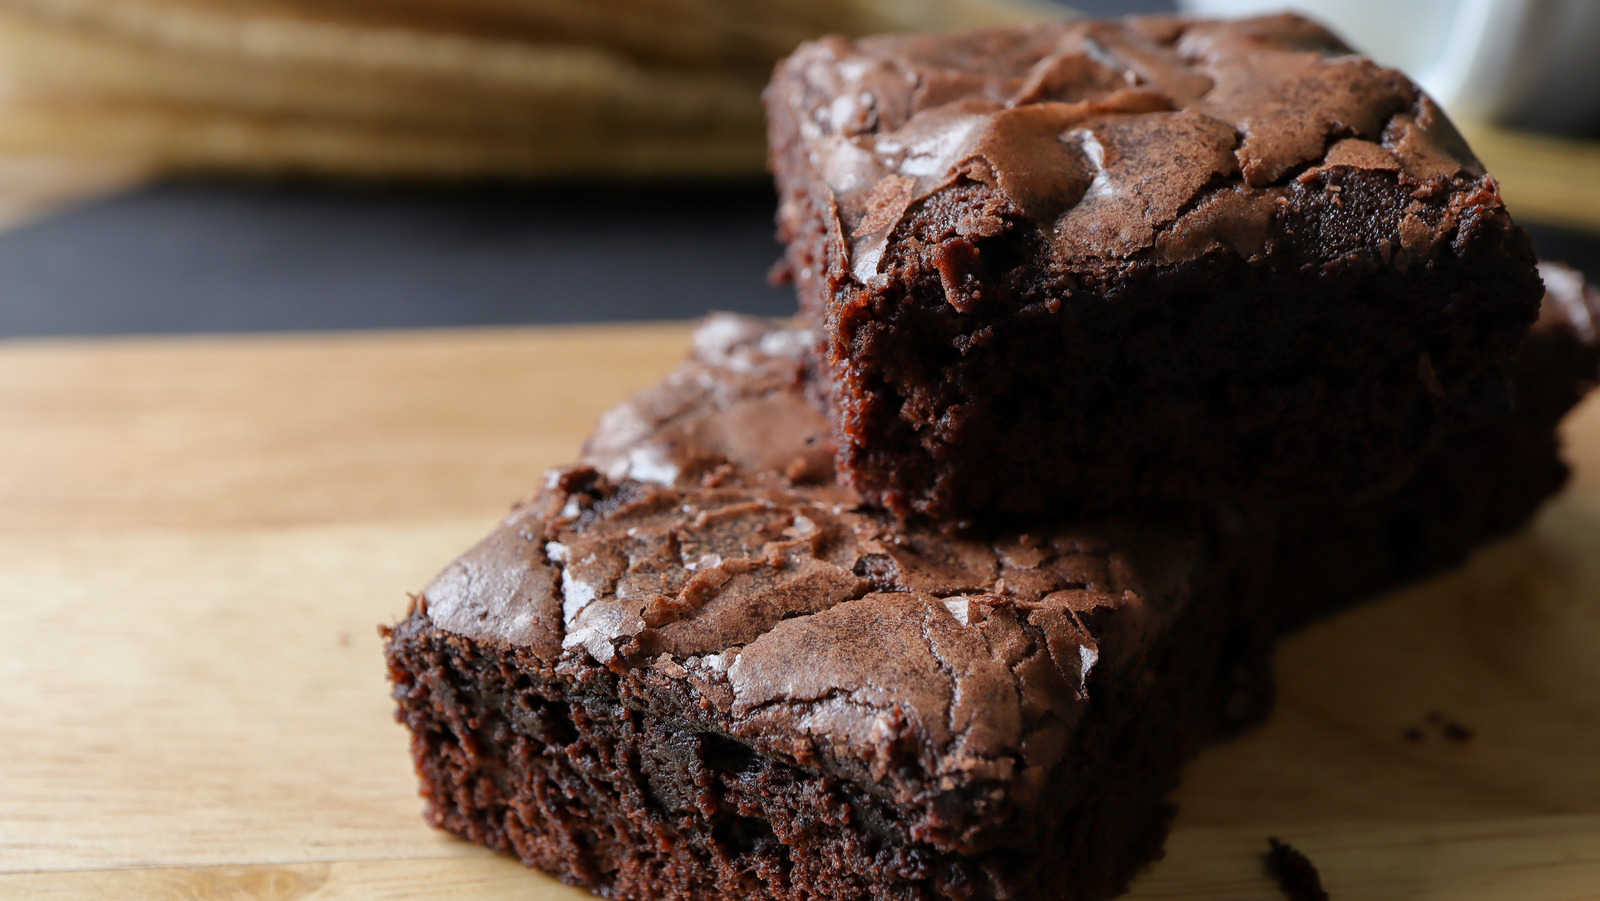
x=1123, y=342
x=1157, y=258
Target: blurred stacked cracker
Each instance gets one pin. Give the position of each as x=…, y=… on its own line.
x=419, y=88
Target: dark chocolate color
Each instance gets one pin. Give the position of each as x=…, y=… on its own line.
x=1085, y=263
x=1487, y=483
x=696, y=667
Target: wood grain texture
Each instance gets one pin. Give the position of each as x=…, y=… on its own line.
x=1545, y=178
x=288, y=430
x=199, y=536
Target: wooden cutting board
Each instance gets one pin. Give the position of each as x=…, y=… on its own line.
x=198, y=538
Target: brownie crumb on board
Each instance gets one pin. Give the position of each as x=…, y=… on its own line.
x=1294, y=872
x=1450, y=728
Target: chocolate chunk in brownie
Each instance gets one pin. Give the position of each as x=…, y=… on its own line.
x=1079, y=264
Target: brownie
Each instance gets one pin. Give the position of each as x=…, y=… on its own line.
x=1082, y=264
x=1489, y=483
x=695, y=667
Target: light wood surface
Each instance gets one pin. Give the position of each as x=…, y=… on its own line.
x=1549, y=179
x=198, y=538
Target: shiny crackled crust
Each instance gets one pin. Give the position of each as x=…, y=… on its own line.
x=739, y=401
x=626, y=792
x=803, y=624
x=1142, y=140
x=696, y=667
x=1049, y=251
x=788, y=619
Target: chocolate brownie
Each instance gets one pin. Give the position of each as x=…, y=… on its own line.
x=1078, y=264
x=695, y=667
x=1488, y=483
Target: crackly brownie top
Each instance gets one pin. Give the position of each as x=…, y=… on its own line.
x=704, y=548
x=737, y=403
x=1161, y=138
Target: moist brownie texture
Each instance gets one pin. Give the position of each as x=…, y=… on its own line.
x=1080, y=264
x=1487, y=483
x=695, y=667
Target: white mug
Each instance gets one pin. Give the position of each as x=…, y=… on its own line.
x=1532, y=63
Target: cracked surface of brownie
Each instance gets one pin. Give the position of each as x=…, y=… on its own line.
x=1088, y=263
x=695, y=666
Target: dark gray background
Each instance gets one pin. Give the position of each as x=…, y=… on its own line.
x=220, y=257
